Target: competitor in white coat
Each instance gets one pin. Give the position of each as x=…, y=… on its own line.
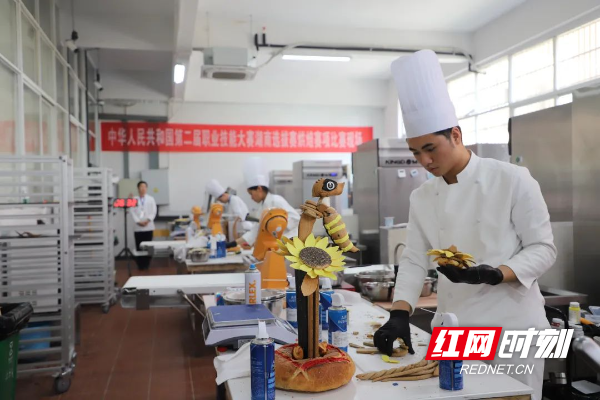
x=257, y=182
x=234, y=205
x=143, y=215
x=488, y=208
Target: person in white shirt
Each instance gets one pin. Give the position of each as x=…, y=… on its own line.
x=257, y=182
x=143, y=215
x=234, y=205
x=491, y=209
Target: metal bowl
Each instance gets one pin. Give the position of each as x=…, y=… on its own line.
x=375, y=276
x=378, y=291
x=272, y=299
x=428, y=287
x=199, y=255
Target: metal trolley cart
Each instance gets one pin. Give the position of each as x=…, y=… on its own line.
x=94, y=255
x=36, y=260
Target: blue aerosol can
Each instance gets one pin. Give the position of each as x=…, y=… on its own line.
x=252, y=285
x=325, y=300
x=291, y=310
x=262, y=365
x=338, y=323
x=450, y=376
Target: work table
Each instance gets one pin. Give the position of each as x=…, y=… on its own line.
x=361, y=314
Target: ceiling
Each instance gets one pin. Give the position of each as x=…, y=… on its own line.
x=422, y=15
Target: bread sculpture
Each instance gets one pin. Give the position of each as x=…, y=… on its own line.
x=311, y=366
x=451, y=256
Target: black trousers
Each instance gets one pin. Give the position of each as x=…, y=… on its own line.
x=144, y=261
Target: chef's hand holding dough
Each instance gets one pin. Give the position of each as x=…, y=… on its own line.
x=396, y=327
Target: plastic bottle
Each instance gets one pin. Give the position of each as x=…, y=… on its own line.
x=557, y=323
x=262, y=365
x=291, y=311
x=574, y=313
x=252, y=285
x=213, y=247
x=325, y=300
x=338, y=323
x=578, y=331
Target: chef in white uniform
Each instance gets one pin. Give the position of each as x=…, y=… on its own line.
x=143, y=215
x=257, y=182
x=491, y=209
x=234, y=205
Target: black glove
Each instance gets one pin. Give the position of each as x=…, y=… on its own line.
x=396, y=327
x=473, y=275
x=229, y=245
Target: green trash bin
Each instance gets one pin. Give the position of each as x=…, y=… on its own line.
x=13, y=318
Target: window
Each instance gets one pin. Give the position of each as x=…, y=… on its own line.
x=46, y=17
x=47, y=68
x=73, y=88
x=529, y=108
x=492, y=127
x=48, y=136
x=469, y=134
x=492, y=86
x=61, y=90
x=61, y=133
x=30, y=49
x=8, y=30
x=577, y=55
x=565, y=99
x=462, y=94
x=82, y=105
x=57, y=39
x=533, y=71
x=91, y=115
x=8, y=100
x=30, y=4
x=32, y=122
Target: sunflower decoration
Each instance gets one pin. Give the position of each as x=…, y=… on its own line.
x=282, y=246
x=315, y=258
x=451, y=256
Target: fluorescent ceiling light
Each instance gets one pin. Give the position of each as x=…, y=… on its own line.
x=297, y=57
x=179, y=73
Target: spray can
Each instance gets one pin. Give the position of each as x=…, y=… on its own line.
x=325, y=300
x=291, y=310
x=450, y=376
x=252, y=285
x=262, y=365
x=213, y=247
x=338, y=323
x=221, y=246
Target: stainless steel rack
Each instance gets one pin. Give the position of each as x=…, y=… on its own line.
x=36, y=260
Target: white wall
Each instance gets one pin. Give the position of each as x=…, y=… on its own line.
x=189, y=172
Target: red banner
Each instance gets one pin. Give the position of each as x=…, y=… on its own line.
x=164, y=137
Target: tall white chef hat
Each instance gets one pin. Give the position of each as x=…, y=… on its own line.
x=423, y=94
x=214, y=188
x=255, y=172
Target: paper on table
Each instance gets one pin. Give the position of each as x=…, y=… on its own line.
x=586, y=387
x=236, y=365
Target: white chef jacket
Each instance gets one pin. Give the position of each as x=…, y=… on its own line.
x=145, y=210
x=495, y=212
x=275, y=201
x=236, y=206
